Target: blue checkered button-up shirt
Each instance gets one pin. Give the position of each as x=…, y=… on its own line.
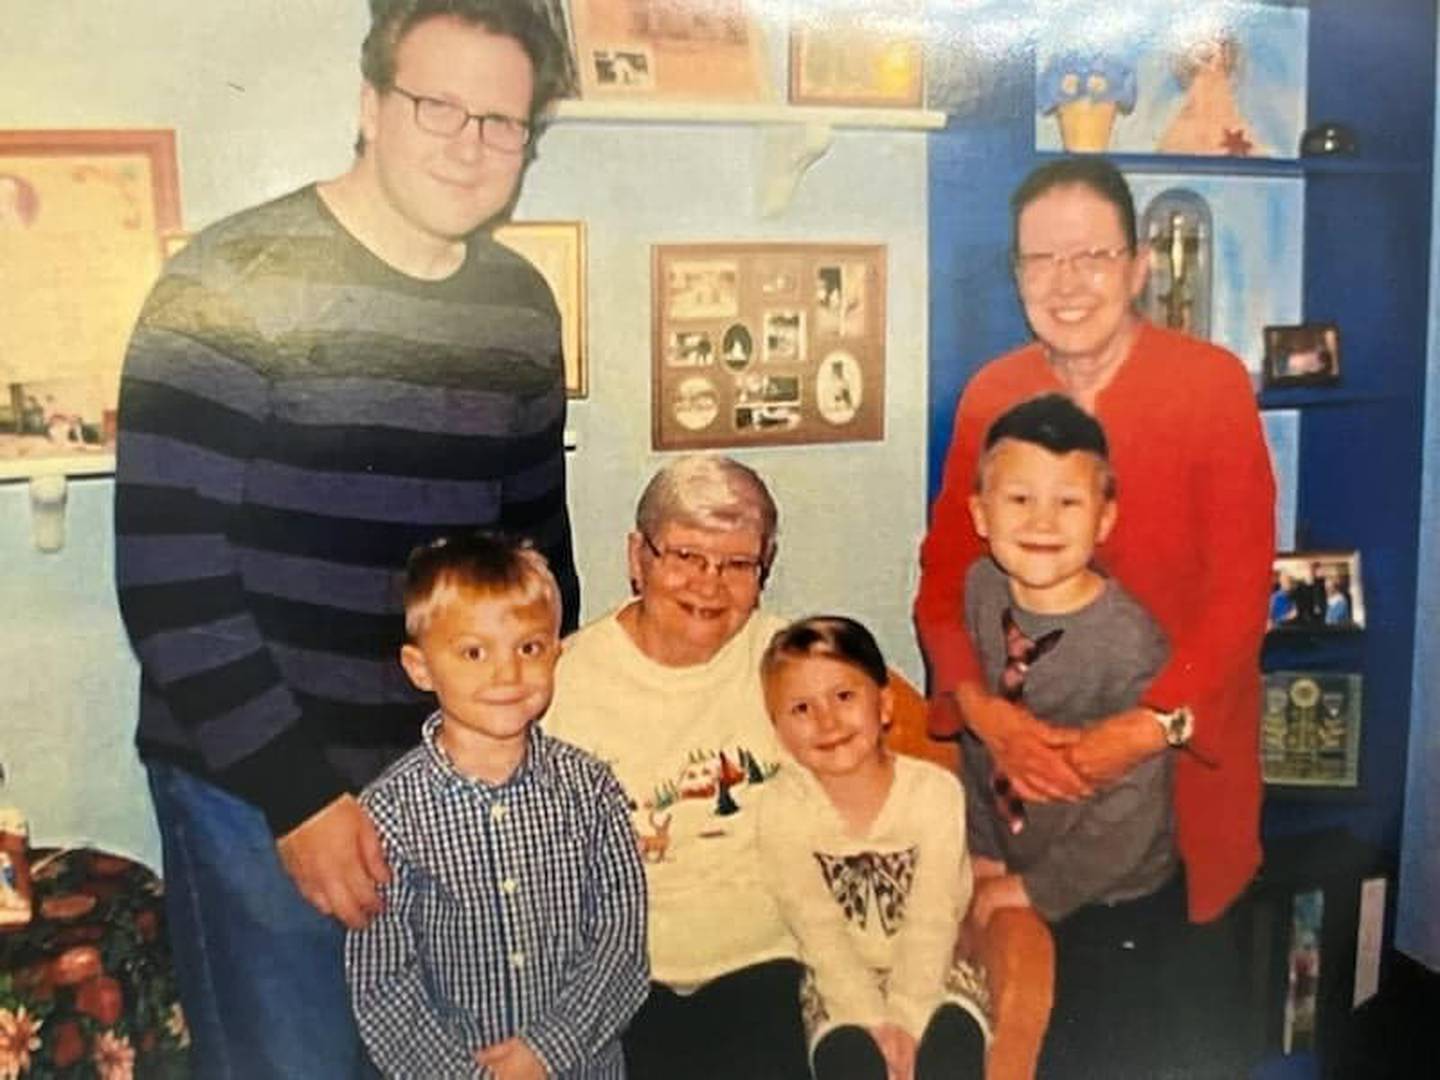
x=514, y=909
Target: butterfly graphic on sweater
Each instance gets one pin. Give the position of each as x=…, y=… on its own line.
x=1020, y=653
x=869, y=879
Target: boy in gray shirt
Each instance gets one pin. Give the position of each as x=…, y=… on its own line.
x=1073, y=647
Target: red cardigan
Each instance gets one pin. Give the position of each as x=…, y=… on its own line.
x=1193, y=543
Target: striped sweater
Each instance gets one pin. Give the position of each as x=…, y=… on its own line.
x=295, y=416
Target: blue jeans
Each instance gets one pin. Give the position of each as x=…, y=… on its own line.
x=261, y=972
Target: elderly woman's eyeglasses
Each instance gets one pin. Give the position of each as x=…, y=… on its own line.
x=731, y=569
x=447, y=119
x=1042, y=267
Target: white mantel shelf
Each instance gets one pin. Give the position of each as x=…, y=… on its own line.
x=704, y=112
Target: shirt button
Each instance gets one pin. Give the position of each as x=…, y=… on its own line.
x=498, y=812
x=517, y=959
x=508, y=886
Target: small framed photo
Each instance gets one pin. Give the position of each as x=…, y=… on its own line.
x=557, y=250
x=1305, y=355
x=1316, y=591
x=1310, y=729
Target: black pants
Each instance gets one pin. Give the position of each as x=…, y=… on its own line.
x=952, y=1048
x=1143, y=993
x=741, y=1026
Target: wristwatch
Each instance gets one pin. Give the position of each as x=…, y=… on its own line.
x=1177, y=725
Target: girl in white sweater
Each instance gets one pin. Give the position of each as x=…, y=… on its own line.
x=865, y=853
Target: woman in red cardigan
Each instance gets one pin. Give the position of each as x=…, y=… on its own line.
x=1193, y=542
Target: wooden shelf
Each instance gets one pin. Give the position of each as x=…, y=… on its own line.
x=705, y=112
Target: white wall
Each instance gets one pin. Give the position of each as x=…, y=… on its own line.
x=262, y=95
x=1417, y=929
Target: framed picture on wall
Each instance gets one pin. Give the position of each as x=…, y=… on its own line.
x=869, y=54
x=84, y=220
x=1310, y=729
x=1305, y=355
x=557, y=250
x=767, y=344
x=1316, y=591
x=692, y=50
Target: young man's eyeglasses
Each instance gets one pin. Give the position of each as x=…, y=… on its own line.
x=731, y=569
x=438, y=117
x=1042, y=267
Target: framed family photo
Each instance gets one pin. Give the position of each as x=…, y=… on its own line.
x=1304, y=355
x=759, y=344
x=1316, y=591
x=557, y=250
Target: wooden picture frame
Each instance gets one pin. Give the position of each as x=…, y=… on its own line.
x=679, y=50
x=85, y=217
x=767, y=344
x=557, y=250
x=866, y=55
x=1316, y=592
x=1310, y=729
x=1303, y=355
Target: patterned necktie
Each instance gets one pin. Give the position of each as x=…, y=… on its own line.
x=1020, y=653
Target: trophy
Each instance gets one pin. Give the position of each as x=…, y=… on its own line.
x=1176, y=230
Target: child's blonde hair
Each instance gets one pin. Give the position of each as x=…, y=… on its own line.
x=835, y=637
x=482, y=564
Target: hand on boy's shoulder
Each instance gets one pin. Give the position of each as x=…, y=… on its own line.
x=511, y=1060
x=336, y=861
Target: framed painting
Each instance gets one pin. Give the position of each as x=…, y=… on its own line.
x=767, y=344
x=1224, y=83
x=689, y=50
x=557, y=250
x=85, y=220
x=859, y=55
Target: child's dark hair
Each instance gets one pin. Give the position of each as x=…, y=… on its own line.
x=832, y=636
x=483, y=564
x=1056, y=423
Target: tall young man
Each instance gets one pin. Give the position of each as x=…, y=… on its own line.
x=315, y=386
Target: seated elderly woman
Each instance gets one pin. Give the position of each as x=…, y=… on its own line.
x=666, y=689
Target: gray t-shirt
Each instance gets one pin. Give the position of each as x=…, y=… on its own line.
x=1118, y=844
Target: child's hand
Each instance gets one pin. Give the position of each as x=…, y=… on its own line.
x=994, y=893
x=897, y=1047
x=511, y=1060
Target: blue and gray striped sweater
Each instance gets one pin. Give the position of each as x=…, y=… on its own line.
x=295, y=416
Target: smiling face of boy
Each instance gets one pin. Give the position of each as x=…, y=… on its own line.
x=1043, y=514
x=491, y=663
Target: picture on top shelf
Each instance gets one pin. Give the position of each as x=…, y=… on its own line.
x=1224, y=80
x=1306, y=355
x=690, y=50
x=859, y=54
x=1310, y=729
x=759, y=344
x=1316, y=591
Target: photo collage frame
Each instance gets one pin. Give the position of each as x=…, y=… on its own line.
x=767, y=344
